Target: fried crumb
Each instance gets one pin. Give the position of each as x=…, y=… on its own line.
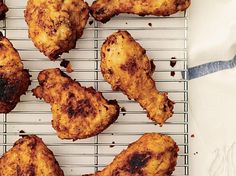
x=67, y=65
x=172, y=73
x=173, y=62
x=22, y=133
x=112, y=145
x=3, y=10
x=150, y=24
x=90, y=22
x=192, y=136
x=123, y=110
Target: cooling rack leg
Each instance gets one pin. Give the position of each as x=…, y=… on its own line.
x=186, y=130
x=96, y=66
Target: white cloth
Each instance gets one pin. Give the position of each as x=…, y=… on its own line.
x=212, y=36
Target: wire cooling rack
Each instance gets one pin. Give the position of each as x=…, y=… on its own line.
x=162, y=37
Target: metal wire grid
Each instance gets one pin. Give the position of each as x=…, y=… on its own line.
x=163, y=38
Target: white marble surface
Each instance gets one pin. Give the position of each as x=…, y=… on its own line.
x=212, y=98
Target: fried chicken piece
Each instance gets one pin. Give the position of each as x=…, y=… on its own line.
x=152, y=155
x=126, y=67
x=3, y=10
x=78, y=112
x=104, y=10
x=14, y=79
x=29, y=157
x=55, y=25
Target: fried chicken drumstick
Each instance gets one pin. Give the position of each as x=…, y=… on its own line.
x=104, y=10
x=55, y=25
x=125, y=65
x=3, y=10
x=14, y=79
x=78, y=112
x=152, y=155
x=29, y=157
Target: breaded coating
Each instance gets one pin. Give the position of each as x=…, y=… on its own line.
x=29, y=157
x=152, y=155
x=3, y=10
x=14, y=79
x=125, y=65
x=78, y=112
x=55, y=25
x=104, y=10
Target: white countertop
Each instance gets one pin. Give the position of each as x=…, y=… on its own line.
x=212, y=98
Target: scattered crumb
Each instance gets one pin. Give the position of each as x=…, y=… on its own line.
x=150, y=24
x=112, y=145
x=22, y=133
x=192, y=136
x=123, y=110
x=67, y=65
x=173, y=62
x=172, y=73
x=90, y=22
x=112, y=134
x=195, y=153
x=126, y=22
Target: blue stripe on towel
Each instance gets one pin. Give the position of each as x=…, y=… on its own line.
x=212, y=67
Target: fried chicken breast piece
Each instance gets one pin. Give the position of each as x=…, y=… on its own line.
x=125, y=65
x=78, y=112
x=104, y=10
x=55, y=25
x=152, y=155
x=29, y=157
x=14, y=79
x=3, y=10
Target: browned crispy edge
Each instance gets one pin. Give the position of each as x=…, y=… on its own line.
x=7, y=106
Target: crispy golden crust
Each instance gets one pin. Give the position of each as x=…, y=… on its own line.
x=78, y=112
x=3, y=10
x=14, y=79
x=29, y=157
x=126, y=67
x=152, y=155
x=55, y=25
x=104, y=10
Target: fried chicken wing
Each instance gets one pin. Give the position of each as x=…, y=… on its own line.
x=3, y=10
x=104, y=10
x=14, y=79
x=125, y=65
x=29, y=157
x=55, y=25
x=78, y=112
x=152, y=155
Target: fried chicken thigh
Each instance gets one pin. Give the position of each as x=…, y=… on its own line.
x=55, y=25
x=3, y=10
x=29, y=157
x=152, y=155
x=78, y=112
x=14, y=79
x=125, y=65
x=104, y=10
